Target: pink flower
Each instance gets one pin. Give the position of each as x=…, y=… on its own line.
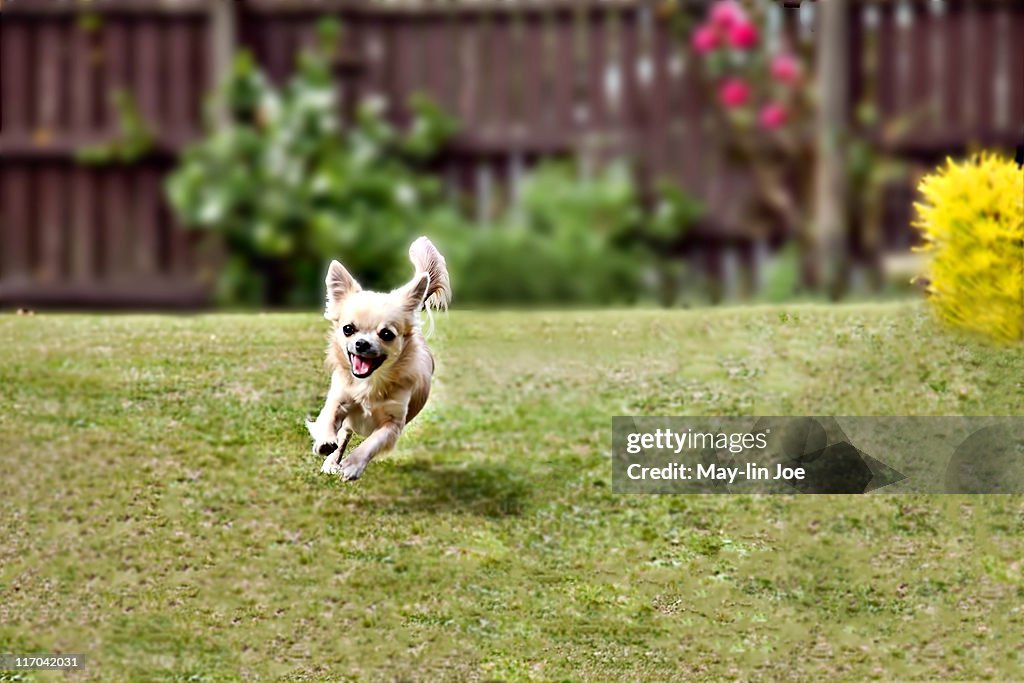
x=705, y=39
x=734, y=92
x=743, y=35
x=725, y=14
x=785, y=68
x=773, y=116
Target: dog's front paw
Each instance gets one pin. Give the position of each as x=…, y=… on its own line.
x=324, y=447
x=325, y=440
x=331, y=465
x=352, y=468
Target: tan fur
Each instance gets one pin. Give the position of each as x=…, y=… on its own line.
x=427, y=259
x=380, y=405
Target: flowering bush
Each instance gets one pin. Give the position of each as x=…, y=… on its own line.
x=765, y=110
x=972, y=220
x=748, y=80
x=766, y=105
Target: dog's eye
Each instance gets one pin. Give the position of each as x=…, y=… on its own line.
x=348, y=330
x=386, y=334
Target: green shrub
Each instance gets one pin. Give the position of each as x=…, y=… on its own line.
x=572, y=240
x=972, y=220
x=287, y=187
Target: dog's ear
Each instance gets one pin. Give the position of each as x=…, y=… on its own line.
x=415, y=292
x=340, y=284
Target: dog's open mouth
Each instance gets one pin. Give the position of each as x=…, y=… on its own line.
x=362, y=366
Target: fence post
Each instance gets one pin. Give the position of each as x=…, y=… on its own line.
x=830, y=213
x=223, y=38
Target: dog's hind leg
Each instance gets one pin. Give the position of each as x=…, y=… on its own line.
x=331, y=465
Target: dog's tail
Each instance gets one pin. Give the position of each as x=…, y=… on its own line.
x=427, y=259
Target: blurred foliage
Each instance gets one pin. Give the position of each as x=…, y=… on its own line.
x=574, y=239
x=972, y=220
x=288, y=187
x=782, y=276
x=135, y=140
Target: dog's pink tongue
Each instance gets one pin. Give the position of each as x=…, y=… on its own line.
x=360, y=365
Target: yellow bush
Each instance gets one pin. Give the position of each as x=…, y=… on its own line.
x=972, y=220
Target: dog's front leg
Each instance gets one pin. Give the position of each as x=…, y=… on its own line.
x=331, y=465
x=324, y=429
x=379, y=441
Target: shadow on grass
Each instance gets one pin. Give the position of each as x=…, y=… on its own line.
x=487, y=489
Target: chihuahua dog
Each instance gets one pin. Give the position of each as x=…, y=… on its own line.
x=380, y=364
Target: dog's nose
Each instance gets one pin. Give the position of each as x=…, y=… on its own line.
x=362, y=346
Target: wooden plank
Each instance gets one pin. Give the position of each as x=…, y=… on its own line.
x=1002, y=85
x=437, y=60
x=163, y=293
x=581, y=107
x=63, y=148
x=545, y=105
x=469, y=71
x=148, y=77
x=936, y=76
x=374, y=45
x=305, y=37
x=858, y=43
x=99, y=218
x=678, y=134
x=17, y=205
x=181, y=256
x=887, y=73
x=562, y=73
x=483, y=192
x=273, y=10
x=1016, y=81
x=182, y=110
x=50, y=95
x=952, y=67
x=146, y=228
x=116, y=75
x=81, y=82
x=983, y=81
x=117, y=213
x=499, y=80
x=221, y=31
x=403, y=51
x=629, y=109
x=518, y=75
x=790, y=30
x=696, y=144
x=661, y=49
x=15, y=84
x=52, y=233
x=917, y=78
x=277, y=50
x=401, y=11
x=535, y=79
x=81, y=240
x=596, y=60
x=49, y=10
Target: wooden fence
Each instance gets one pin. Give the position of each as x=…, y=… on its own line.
x=526, y=79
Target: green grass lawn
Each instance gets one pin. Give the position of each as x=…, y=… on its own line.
x=162, y=514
